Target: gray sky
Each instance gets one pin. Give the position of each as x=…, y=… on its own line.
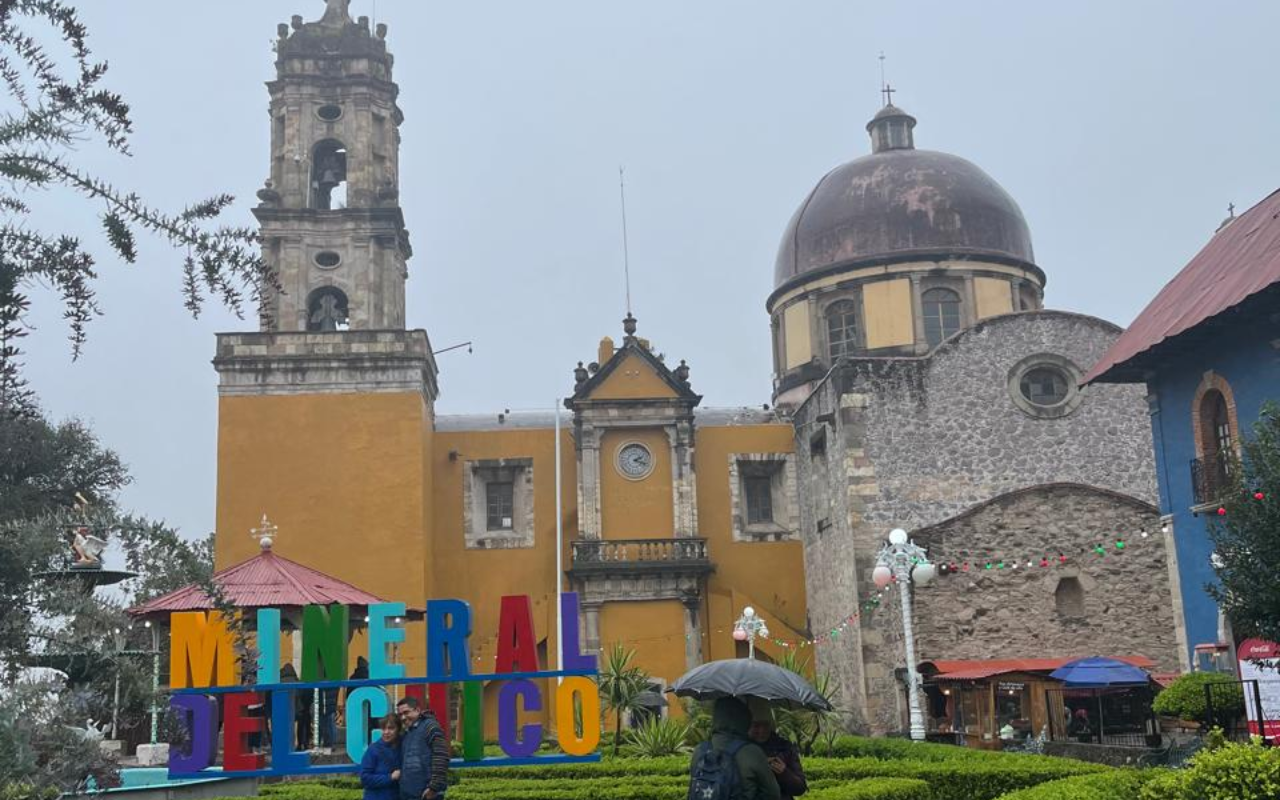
x=1122, y=130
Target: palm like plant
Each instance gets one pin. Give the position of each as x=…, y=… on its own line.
x=621, y=683
x=805, y=727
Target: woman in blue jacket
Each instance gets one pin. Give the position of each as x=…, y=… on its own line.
x=380, y=767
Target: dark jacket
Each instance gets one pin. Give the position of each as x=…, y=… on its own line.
x=380, y=760
x=791, y=782
x=729, y=722
x=424, y=758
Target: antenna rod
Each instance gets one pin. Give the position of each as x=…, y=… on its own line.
x=626, y=258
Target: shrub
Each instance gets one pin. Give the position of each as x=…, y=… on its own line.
x=875, y=789
x=1229, y=772
x=1117, y=785
x=1184, y=698
x=658, y=737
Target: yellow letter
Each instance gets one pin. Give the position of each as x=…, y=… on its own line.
x=201, y=652
x=570, y=742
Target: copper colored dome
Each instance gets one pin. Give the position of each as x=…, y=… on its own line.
x=900, y=204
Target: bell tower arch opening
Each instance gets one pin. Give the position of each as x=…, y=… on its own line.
x=329, y=175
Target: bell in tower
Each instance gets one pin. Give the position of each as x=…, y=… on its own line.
x=332, y=227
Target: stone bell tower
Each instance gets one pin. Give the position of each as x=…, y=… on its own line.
x=331, y=221
x=325, y=414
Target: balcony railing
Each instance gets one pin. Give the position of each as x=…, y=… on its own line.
x=641, y=555
x=1209, y=478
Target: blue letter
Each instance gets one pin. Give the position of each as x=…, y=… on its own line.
x=362, y=703
x=380, y=636
x=448, y=626
x=570, y=647
x=283, y=757
x=268, y=645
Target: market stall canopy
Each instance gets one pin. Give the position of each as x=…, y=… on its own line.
x=265, y=581
x=747, y=677
x=973, y=670
x=1100, y=673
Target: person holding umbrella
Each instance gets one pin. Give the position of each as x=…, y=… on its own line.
x=784, y=758
x=730, y=766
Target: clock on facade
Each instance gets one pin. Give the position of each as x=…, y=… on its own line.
x=634, y=460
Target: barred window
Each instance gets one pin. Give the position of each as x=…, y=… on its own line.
x=500, y=501
x=941, y=314
x=842, y=329
x=759, y=490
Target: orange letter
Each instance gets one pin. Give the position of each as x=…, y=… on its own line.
x=201, y=652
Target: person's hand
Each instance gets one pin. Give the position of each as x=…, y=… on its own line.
x=776, y=764
x=395, y=774
x=429, y=794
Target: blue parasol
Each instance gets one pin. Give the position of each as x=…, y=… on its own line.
x=1100, y=673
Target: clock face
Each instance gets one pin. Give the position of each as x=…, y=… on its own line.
x=634, y=460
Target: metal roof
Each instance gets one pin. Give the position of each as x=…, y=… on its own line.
x=1241, y=260
x=977, y=670
x=265, y=581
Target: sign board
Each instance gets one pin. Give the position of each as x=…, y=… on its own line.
x=207, y=691
x=1259, y=661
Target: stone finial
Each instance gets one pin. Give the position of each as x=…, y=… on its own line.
x=580, y=376
x=268, y=195
x=629, y=325
x=606, y=349
x=282, y=30
x=381, y=30
x=336, y=12
x=296, y=21
x=682, y=373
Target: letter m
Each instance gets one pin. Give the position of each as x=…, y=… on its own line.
x=201, y=652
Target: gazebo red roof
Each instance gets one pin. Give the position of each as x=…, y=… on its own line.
x=1240, y=261
x=265, y=581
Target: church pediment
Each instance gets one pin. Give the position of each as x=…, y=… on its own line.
x=633, y=372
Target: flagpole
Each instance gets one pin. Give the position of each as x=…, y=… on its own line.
x=559, y=553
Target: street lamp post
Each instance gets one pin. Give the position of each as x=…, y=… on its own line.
x=748, y=627
x=904, y=561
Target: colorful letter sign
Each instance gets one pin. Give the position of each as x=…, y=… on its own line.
x=204, y=667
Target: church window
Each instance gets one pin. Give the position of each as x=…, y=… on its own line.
x=842, y=329
x=1044, y=386
x=329, y=175
x=329, y=112
x=327, y=310
x=500, y=501
x=1212, y=471
x=759, y=499
x=1068, y=598
x=941, y=309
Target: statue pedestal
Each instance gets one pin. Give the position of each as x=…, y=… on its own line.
x=153, y=755
x=114, y=747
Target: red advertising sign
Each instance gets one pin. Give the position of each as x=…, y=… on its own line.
x=1259, y=661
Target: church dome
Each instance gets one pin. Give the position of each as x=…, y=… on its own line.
x=902, y=204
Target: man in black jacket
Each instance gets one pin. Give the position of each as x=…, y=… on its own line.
x=424, y=753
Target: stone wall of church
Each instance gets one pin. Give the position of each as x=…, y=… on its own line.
x=1116, y=604
x=916, y=441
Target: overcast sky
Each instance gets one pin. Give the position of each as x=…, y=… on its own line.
x=1122, y=130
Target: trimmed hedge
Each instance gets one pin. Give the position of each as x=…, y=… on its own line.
x=1116, y=785
x=874, y=789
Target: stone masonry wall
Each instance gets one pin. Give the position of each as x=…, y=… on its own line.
x=915, y=441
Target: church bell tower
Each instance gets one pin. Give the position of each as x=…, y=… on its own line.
x=331, y=222
x=325, y=413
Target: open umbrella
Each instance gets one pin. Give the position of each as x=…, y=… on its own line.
x=1100, y=673
x=746, y=677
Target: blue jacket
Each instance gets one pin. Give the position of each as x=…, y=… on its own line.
x=424, y=753
x=380, y=760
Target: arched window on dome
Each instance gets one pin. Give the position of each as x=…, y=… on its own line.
x=842, y=329
x=941, y=309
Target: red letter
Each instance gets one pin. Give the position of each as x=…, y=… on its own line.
x=236, y=725
x=517, y=651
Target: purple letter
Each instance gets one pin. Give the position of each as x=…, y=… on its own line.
x=570, y=646
x=515, y=740
x=201, y=714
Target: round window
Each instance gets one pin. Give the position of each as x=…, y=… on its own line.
x=327, y=259
x=329, y=113
x=1044, y=386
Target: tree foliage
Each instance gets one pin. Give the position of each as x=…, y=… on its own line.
x=56, y=105
x=1245, y=537
x=621, y=683
x=1185, y=697
x=802, y=726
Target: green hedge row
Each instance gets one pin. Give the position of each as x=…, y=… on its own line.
x=874, y=789
x=1121, y=784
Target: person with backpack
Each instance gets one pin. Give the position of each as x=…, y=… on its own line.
x=730, y=766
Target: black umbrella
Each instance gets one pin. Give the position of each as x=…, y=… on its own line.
x=746, y=677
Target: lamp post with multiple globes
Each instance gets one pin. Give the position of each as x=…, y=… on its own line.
x=748, y=627
x=904, y=561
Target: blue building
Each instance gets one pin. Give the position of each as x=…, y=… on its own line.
x=1208, y=349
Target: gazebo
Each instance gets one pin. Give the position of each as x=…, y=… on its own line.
x=267, y=580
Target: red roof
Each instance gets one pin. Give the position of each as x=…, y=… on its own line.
x=264, y=581
x=1241, y=260
x=976, y=670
